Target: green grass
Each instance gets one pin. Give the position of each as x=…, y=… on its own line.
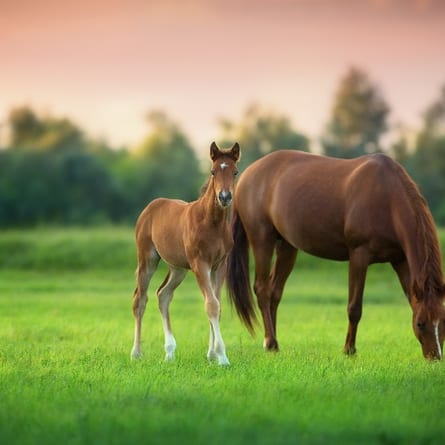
x=66, y=376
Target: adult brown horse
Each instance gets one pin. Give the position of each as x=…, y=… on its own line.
x=365, y=210
x=187, y=236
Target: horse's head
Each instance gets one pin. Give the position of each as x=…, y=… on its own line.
x=224, y=171
x=429, y=326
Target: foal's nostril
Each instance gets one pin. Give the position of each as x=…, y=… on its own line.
x=225, y=197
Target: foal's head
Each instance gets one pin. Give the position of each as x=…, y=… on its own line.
x=224, y=171
x=429, y=326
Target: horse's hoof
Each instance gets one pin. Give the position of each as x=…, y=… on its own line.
x=350, y=350
x=271, y=346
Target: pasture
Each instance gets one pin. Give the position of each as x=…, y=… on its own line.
x=66, y=376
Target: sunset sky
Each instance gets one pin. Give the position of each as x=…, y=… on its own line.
x=105, y=63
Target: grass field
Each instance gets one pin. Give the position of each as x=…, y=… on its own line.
x=66, y=376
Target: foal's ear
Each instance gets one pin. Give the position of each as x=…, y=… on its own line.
x=235, y=152
x=215, y=152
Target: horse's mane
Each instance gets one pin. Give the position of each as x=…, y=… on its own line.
x=430, y=279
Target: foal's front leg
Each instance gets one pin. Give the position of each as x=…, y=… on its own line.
x=217, y=278
x=208, y=281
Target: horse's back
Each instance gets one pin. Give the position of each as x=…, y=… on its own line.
x=320, y=204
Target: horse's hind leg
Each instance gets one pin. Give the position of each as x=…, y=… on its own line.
x=284, y=263
x=263, y=250
x=358, y=266
x=173, y=279
x=148, y=261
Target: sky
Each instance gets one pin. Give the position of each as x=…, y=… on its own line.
x=106, y=63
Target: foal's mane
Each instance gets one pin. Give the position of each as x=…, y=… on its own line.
x=204, y=187
x=430, y=279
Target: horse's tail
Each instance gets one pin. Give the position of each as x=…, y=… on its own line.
x=237, y=277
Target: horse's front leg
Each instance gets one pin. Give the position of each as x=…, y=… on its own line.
x=208, y=281
x=358, y=266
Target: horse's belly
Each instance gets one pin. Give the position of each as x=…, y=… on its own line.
x=324, y=240
x=323, y=247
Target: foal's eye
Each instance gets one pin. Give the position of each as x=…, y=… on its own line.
x=235, y=172
x=421, y=325
x=212, y=172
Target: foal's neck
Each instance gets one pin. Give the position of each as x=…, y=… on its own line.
x=214, y=213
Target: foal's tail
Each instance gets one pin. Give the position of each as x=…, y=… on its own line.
x=237, y=277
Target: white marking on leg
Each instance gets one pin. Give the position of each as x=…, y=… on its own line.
x=211, y=354
x=436, y=333
x=170, y=346
x=165, y=296
x=220, y=348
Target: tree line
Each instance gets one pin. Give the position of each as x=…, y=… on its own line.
x=51, y=172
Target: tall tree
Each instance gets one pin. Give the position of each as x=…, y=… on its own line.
x=31, y=131
x=164, y=164
x=358, y=117
x=259, y=132
x=427, y=164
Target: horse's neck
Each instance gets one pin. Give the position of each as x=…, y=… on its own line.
x=213, y=213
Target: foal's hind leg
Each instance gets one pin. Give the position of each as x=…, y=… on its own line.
x=165, y=295
x=147, y=264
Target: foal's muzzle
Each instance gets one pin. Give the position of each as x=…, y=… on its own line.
x=225, y=198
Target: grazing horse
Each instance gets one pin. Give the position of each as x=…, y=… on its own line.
x=364, y=210
x=194, y=236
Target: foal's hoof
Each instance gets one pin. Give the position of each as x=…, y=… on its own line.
x=136, y=355
x=212, y=356
x=169, y=356
x=223, y=361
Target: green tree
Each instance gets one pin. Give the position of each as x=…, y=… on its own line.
x=358, y=118
x=259, y=132
x=49, y=174
x=163, y=165
x=427, y=164
x=30, y=131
